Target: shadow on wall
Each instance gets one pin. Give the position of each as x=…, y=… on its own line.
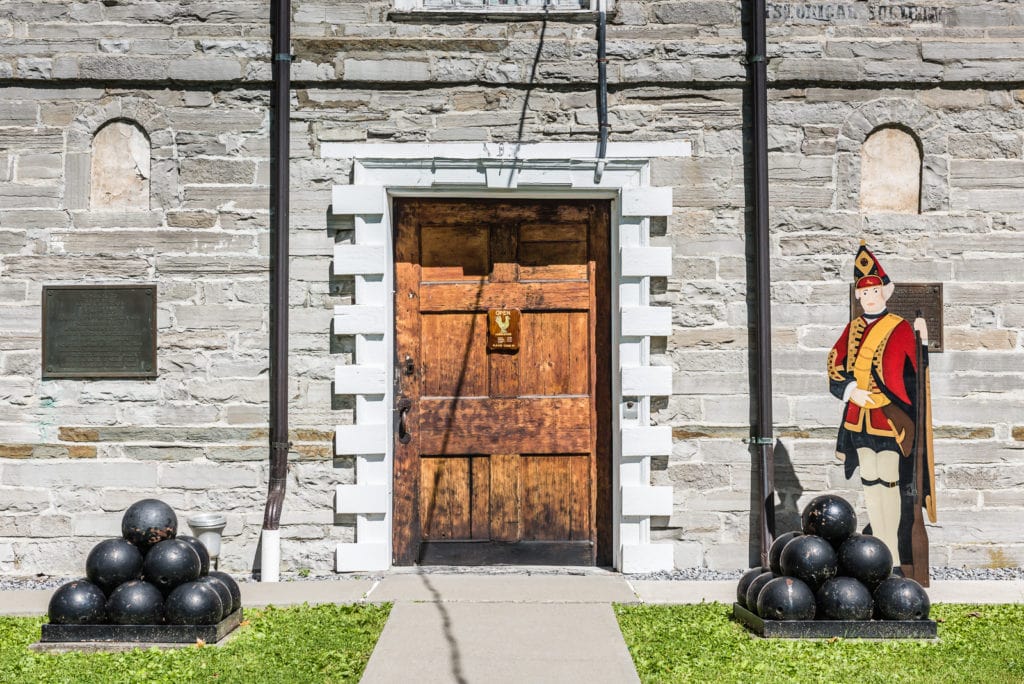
x=788, y=491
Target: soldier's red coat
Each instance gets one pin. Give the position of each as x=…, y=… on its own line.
x=891, y=381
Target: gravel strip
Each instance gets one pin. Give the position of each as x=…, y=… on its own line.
x=12, y=583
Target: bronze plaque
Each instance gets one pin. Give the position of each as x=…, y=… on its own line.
x=503, y=329
x=99, y=331
x=909, y=298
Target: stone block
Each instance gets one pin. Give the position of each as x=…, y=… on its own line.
x=19, y=113
x=217, y=171
x=83, y=267
x=231, y=197
x=199, y=317
x=650, y=71
x=199, y=266
x=238, y=453
x=98, y=524
x=28, y=219
x=385, y=70
x=122, y=67
x=35, y=526
x=24, y=500
x=161, y=452
x=72, y=475
x=707, y=13
x=16, y=196
x=207, y=476
x=994, y=145
x=205, y=69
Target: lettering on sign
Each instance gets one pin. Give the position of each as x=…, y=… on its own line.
x=99, y=331
x=503, y=329
x=836, y=13
x=909, y=298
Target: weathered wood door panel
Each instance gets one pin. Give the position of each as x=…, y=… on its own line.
x=502, y=456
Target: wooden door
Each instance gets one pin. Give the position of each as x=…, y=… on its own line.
x=501, y=455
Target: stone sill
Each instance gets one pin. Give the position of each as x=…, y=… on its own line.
x=484, y=14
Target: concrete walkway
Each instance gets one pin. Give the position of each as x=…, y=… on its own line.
x=464, y=627
x=485, y=628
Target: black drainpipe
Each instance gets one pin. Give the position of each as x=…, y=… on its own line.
x=762, y=438
x=602, y=93
x=280, y=95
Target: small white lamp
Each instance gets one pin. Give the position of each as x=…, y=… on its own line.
x=207, y=527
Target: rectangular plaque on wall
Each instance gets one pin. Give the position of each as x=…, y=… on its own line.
x=99, y=331
x=909, y=298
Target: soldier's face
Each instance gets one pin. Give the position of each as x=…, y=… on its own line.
x=872, y=299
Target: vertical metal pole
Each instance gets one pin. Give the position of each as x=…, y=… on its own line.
x=602, y=92
x=763, y=436
x=280, y=97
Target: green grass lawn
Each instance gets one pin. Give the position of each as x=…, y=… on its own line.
x=328, y=643
x=701, y=643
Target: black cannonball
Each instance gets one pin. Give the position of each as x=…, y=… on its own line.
x=830, y=517
x=222, y=590
x=775, y=551
x=193, y=603
x=845, y=598
x=147, y=522
x=136, y=603
x=113, y=562
x=901, y=598
x=756, y=585
x=744, y=584
x=810, y=558
x=170, y=563
x=866, y=558
x=786, y=598
x=232, y=585
x=79, y=602
x=200, y=549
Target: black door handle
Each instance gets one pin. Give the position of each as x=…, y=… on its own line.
x=404, y=436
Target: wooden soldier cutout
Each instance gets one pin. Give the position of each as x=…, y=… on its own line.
x=878, y=367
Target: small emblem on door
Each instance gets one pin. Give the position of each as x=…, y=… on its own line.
x=503, y=329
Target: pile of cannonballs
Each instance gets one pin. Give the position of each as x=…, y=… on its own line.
x=829, y=572
x=151, y=575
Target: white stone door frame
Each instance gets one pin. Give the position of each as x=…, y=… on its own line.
x=382, y=172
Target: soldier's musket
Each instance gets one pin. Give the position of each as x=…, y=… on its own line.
x=923, y=465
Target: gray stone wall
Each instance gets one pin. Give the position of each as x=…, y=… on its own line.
x=73, y=454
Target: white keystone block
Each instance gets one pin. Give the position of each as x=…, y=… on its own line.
x=638, y=321
x=655, y=440
x=359, y=380
x=360, y=439
x=646, y=201
x=364, y=499
x=360, y=556
x=655, y=381
x=646, y=261
x=358, y=199
x=357, y=319
x=645, y=501
x=646, y=557
x=359, y=259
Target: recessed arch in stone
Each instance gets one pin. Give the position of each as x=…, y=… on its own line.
x=890, y=172
x=906, y=114
x=119, y=168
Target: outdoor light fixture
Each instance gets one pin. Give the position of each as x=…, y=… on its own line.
x=207, y=527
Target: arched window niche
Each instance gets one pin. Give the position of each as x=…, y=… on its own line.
x=120, y=167
x=890, y=171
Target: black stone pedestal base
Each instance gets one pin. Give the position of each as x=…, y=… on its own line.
x=139, y=634
x=828, y=629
